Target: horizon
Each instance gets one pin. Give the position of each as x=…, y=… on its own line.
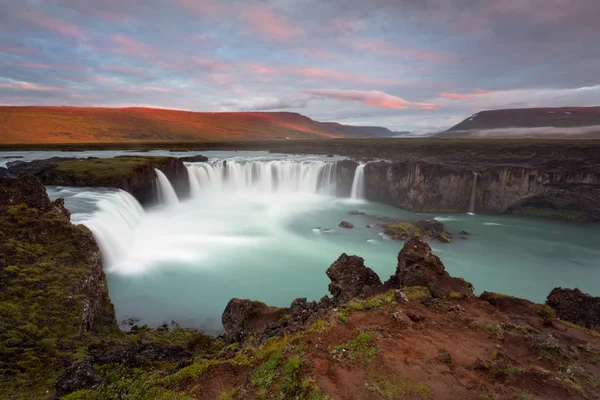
x=405, y=66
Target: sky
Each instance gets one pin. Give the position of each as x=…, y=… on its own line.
x=418, y=65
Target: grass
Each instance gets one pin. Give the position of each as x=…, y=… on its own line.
x=551, y=352
x=546, y=312
x=392, y=387
x=319, y=326
x=523, y=396
x=416, y=292
x=596, y=360
x=363, y=349
x=494, y=329
x=233, y=394
x=107, y=169
x=382, y=300
x=266, y=374
x=455, y=296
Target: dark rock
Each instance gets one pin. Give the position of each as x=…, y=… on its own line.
x=445, y=356
x=480, y=365
x=350, y=278
x=26, y=190
x=137, y=356
x=345, y=176
x=78, y=376
x=346, y=224
x=356, y=212
x=418, y=266
x=575, y=306
x=463, y=233
x=242, y=316
x=198, y=158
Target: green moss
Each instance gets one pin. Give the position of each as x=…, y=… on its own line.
x=416, y=292
x=319, y=326
x=362, y=349
x=545, y=311
x=107, y=169
x=402, y=230
x=188, y=373
x=392, y=387
x=455, y=295
x=495, y=329
x=266, y=374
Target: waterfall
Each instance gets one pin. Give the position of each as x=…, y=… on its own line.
x=263, y=176
x=358, y=184
x=166, y=193
x=473, y=194
x=114, y=223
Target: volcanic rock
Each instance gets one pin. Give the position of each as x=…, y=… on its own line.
x=198, y=158
x=418, y=266
x=351, y=278
x=78, y=376
x=575, y=306
x=346, y=224
x=242, y=316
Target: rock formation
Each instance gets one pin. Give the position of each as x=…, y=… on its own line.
x=575, y=306
x=418, y=266
x=351, y=278
x=242, y=316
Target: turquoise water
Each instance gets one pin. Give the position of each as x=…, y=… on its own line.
x=189, y=260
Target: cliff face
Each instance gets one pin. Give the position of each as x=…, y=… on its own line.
x=427, y=187
x=135, y=175
x=52, y=286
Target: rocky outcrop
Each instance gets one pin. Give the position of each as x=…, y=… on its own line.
x=418, y=266
x=344, y=174
x=242, y=316
x=575, y=306
x=135, y=175
x=403, y=230
x=78, y=376
x=197, y=158
x=426, y=187
x=351, y=278
x=346, y=224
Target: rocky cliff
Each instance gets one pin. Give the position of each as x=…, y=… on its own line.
x=135, y=175
x=429, y=187
x=53, y=291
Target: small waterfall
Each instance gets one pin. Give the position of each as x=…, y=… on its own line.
x=166, y=193
x=473, y=194
x=358, y=184
x=263, y=176
x=114, y=223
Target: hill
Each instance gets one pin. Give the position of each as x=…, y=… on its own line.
x=573, y=122
x=90, y=125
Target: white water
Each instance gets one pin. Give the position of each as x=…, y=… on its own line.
x=277, y=176
x=473, y=194
x=358, y=184
x=267, y=236
x=166, y=193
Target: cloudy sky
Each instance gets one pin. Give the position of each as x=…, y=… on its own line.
x=404, y=64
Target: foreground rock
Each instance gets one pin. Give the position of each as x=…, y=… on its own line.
x=135, y=175
x=242, y=316
x=418, y=266
x=346, y=225
x=575, y=306
x=350, y=278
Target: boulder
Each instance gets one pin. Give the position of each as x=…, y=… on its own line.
x=78, y=376
x=351, y=278
x=346, y=224
x=575, y=306
x=418, y=266
x=242, y=316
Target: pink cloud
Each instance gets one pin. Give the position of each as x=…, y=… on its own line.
x=268, y=24
x=52, y=24
x=16, y=50
x=385, y=49
x=373, y=98
x=210, y=64
x=460, y=96
x=323, y=73
x=34, y=65
x=130, y=46
x=261, y=69
x=125, y=69
x=29, y=86
x=161, y=89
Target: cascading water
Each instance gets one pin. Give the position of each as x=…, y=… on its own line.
x=358, y=184
x=473, y=194
x=114, y=224
x=166, y=193
x=282, y=176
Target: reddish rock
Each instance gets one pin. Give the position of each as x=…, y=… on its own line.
x=350, y=278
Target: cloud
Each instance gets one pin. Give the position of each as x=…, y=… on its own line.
x=266, y=104
x=383, y=48
x=52, y=24
x=372, y=98
x=459, y=96
x=269, y=24
x=28, y=87
x=323, y=73
x=130, y=46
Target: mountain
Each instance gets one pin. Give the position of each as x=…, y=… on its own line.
x=571, y=122
x=89, y=125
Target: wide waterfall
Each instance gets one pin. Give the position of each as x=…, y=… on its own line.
x=166, y=193
x=282, y=176
x=114, y=224
x=473, y=194
x=358, y=184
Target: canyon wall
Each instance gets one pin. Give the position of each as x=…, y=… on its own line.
x=427, y=187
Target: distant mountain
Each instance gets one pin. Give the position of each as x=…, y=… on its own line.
x=571, y=122
x=91, y=125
